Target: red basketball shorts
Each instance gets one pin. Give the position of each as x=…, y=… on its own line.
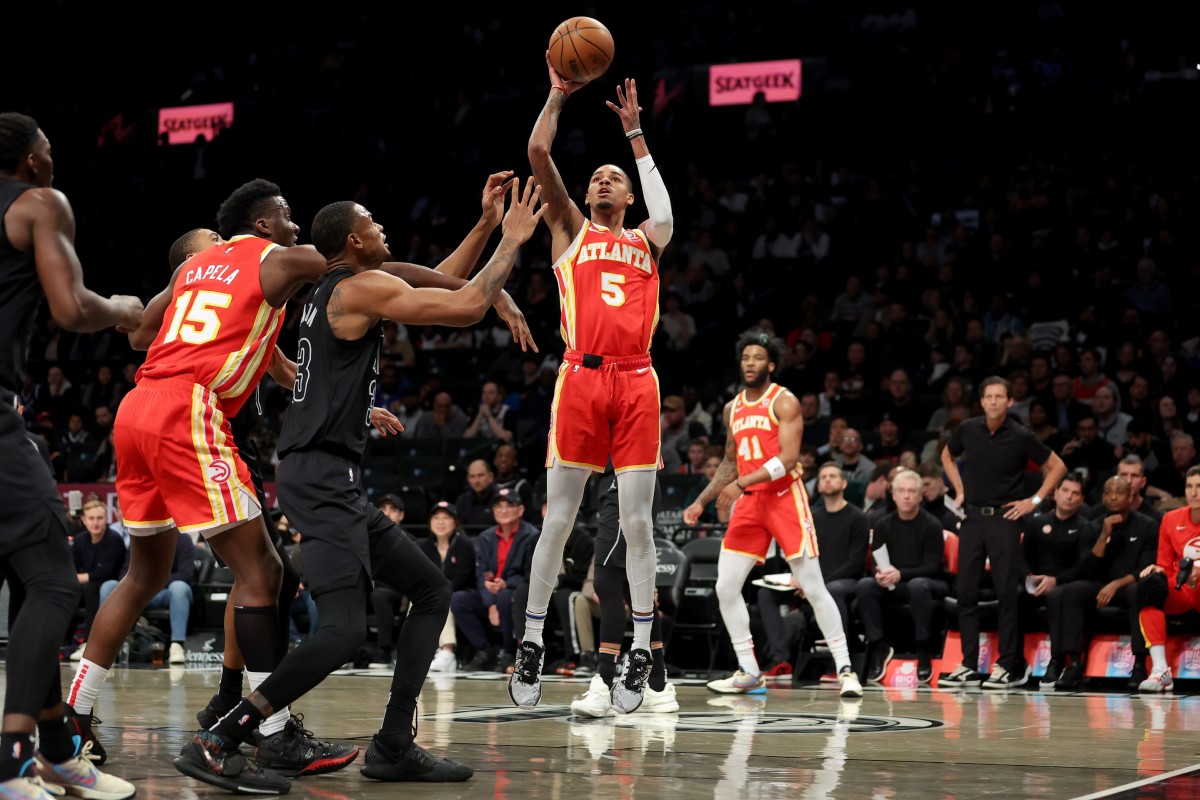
x=765, y=514
x=612, y=410
x=177, y=463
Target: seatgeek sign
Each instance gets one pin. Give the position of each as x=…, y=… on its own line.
x=183, y=124
x=736, y=84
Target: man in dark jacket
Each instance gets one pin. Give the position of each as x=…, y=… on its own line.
x=99, y=552
x=175, y=596
x=503, y=553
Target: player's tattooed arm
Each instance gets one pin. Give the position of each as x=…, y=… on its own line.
x=726, y=474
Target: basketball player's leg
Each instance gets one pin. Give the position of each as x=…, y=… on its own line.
x=745, y=545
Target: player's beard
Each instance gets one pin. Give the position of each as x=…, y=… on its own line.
x=758, y=381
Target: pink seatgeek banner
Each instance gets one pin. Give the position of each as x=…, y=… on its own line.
x=736, y=84
x=183, y=124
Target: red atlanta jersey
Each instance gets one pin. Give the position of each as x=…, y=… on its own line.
x=608, y=292
x=755, y=431
x=1178, y=536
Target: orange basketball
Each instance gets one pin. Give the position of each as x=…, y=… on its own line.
x=581, y=49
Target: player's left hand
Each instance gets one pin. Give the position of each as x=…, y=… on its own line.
x=493, y=196
x=506, y=309
x=629, y=111
x=730, y=493
x=386, y=422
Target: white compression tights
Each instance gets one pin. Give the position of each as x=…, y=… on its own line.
x=564, y=492
x=732, y=571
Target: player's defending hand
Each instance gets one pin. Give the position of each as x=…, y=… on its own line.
x=524, y=212
x=387, y=423
x=506, y=309
x=629, y=111
x=559, y=82
x=493, y=196
x=129, y=312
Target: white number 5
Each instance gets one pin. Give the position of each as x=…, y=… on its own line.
x=610, y=288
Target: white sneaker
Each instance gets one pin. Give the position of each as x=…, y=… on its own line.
x=77, y=655
x=739, y=683
x=850, y=685
x=177, y=654
x=596, y=702
x=444, y=661
x=1159, y=681
x=28, y=789
x=663, y=702
x=80, y=778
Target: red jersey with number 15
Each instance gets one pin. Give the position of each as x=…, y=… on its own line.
x=219, y=331
x=608, y=292
x=755, y=430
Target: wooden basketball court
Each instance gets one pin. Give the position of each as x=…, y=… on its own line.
x=792, y=743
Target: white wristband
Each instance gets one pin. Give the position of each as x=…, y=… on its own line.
x=775, y=468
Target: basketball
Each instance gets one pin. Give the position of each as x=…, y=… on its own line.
x=581, y=49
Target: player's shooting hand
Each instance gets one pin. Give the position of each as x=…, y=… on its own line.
x=386, y=422
x=629, y=111
x=510, y=314
x=556, y=80
x=493, y=196
x=524, y=212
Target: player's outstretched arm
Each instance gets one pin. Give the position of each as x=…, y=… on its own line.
x=654, y=191
x=49, y=225
x=563, y=217
x=375, y=294
x=463, y=258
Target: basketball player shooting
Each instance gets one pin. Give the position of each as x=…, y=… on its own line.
x=606, y=400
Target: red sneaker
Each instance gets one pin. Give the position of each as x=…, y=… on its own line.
x=780, y=670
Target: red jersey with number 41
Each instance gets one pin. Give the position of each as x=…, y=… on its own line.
x=219, y=331
x=608, y=292
x=755, y=430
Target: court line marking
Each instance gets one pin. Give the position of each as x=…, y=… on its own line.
x=1138, y=784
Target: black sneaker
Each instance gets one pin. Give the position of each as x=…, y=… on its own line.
x=211, y=714
x=81, y=725
x=217, y=761
x=1138, y=675
x=381, y=764
x=481, y=661
x=628, y=692
x=961, y=678
x=295, y=752
x=587, y=666
x=1071, y=678
x=1001, y=678
x=880, y=656
x=1053, y=673
x=525, y=685
x=924, y=667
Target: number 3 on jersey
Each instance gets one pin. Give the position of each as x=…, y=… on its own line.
x=750, y=449
x=196, y=320
x=610, y=288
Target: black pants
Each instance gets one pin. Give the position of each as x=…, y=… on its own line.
x=921, y=595
x=91, y=604
x=1069, y=609
x=770, y=601
x=999, y=539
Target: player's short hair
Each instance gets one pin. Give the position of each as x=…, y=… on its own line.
x=181, y=248
x=759, y=337
x=332, y=225
x=245, y=205
x=18, y=132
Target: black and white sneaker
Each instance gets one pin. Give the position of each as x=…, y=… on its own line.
x=217, y=761
x=381, y=764
x=525, y=685
x=1003, y=679
x=629, y=691
x=1053, y=673
x=81, y=725
x=295, y=752
x=880, y=656
x=961, y=678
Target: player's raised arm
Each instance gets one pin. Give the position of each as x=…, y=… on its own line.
x=654, y=191
x=563, y=217
x=463, y=258
x=374, y=294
